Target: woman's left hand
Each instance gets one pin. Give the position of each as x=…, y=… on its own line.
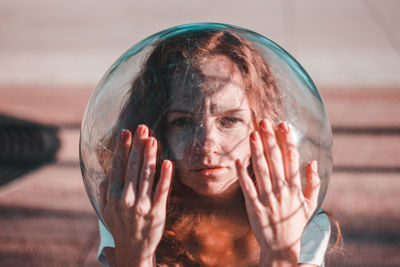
x=277, y=208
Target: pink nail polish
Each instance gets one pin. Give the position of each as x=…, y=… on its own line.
x=142, y=129
x=124, y=134
x=283, y=126
x=238, y=163
x=138, y=130
x=152, y=142
x=167, y=164
x=263, y=125
x=254, y=136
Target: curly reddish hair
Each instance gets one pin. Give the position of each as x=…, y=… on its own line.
x=190, y=238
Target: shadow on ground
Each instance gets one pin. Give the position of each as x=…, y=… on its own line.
x=25, y=146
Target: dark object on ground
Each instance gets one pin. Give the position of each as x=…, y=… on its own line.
x=24, y=146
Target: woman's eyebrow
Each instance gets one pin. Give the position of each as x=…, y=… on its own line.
x=232, y=111
x=228, y=111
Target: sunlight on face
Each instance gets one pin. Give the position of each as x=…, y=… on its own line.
x=209, y=125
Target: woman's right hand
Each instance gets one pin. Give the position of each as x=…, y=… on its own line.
x=133, y=213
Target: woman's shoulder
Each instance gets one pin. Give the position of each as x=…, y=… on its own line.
x=106, y=240
x=320, y=222
x=315, y=239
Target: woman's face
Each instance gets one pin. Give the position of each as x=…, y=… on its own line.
x=209, y=123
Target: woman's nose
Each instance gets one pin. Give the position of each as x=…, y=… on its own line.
x=206, y=139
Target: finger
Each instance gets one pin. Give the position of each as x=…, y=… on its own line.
x=247, y=185
x=273, y=155
x=119, y=162
x=290, y=155
x=161, y=193
x=311, y=190
x=260, y=167
x=134, y=165
x=148, y=169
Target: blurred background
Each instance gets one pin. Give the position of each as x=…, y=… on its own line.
x=53, y=53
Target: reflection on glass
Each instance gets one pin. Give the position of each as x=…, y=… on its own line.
x=202, y=90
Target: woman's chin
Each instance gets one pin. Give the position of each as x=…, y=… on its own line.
x=214, y=188
x=207, y=191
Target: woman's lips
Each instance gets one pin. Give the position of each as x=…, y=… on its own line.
x=208, y=170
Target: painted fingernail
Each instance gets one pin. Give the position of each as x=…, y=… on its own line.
x=124, y=134
x=139, y=130
x=283, y=126
x=167, y=164
x=152, y=142
x=254, y=136
x=263, y=125
x=238, y=163
x=142, y=129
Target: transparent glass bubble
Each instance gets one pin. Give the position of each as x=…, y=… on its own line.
x=201, y=89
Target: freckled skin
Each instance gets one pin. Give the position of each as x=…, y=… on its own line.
x=209, y=133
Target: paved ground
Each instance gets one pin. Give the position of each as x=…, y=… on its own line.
x=52, y=53
x=340, y=43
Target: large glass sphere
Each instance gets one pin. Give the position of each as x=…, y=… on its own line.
x=203, y=74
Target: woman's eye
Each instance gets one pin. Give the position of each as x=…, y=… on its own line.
x=229, y=122
x=182, y=122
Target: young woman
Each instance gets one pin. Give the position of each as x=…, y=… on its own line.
x=203, y=173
